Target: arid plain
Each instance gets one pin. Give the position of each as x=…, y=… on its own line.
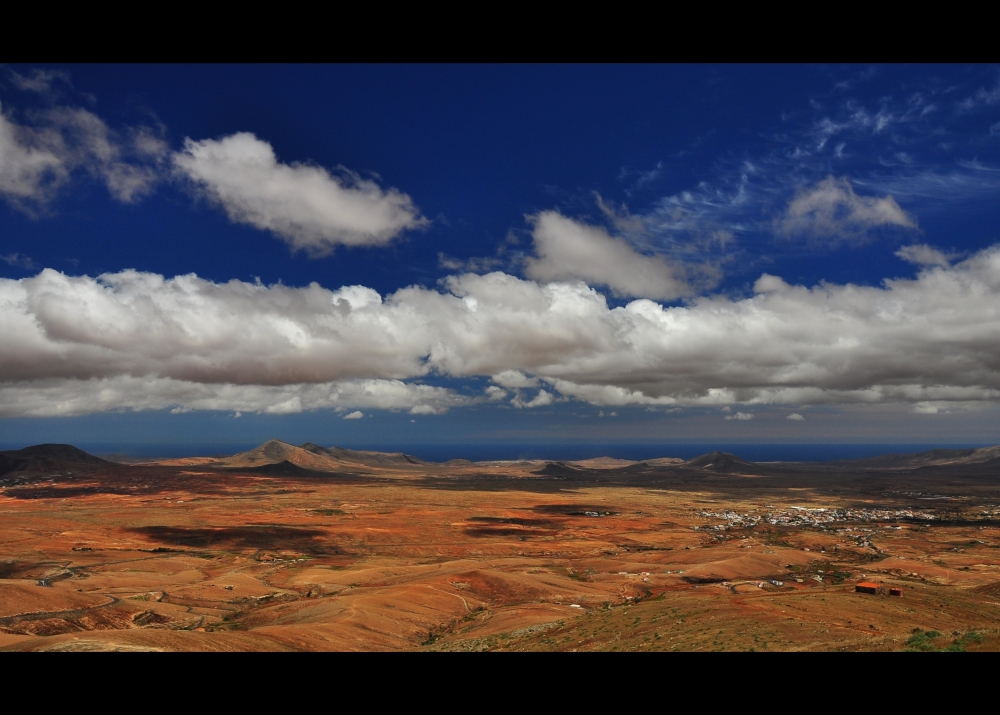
x=307, y=548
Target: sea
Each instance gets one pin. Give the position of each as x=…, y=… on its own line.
x=754, y=452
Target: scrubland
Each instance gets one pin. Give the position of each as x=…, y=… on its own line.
x=390, y=555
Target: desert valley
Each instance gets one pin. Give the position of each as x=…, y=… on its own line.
x=310, y=548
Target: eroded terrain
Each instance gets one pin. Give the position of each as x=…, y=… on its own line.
x=403, y=555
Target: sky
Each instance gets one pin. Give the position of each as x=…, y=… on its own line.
x=382, y=255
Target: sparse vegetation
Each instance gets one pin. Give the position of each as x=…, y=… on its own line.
x=934, y=641
x=403, y=570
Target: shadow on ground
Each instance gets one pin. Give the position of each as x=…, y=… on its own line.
x=245, y=537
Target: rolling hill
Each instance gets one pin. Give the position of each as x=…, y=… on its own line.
x=48, y=457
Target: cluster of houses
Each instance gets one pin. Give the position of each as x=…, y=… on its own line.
x=805, y=516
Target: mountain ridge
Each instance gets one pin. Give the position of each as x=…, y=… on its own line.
x=313, y=457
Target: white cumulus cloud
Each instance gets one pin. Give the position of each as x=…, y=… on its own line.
x=741, y=416
x=923, y=255
x=30, y=163
x=513, y=379
x=427, y=410
x=795, y=417
x=831, y=211
x=40, y=156
x=930, y=408
x=357, y=415
x=542, y=399
x=306, y=205
x=570, y=250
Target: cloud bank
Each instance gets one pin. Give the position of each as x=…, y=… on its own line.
x=305, y=205
x=68, y=397
x=139, y=340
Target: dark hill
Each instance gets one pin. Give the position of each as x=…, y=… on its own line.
x=60, y=452
x=278, y=469
x=48, y=457
x=560, y=469
x=720, y=462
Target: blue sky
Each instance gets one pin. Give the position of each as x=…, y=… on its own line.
x=388, y=255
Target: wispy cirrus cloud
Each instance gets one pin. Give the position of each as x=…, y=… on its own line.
x=922, y=150
x=37, y=80
x=19, y=260
x=982, y=97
